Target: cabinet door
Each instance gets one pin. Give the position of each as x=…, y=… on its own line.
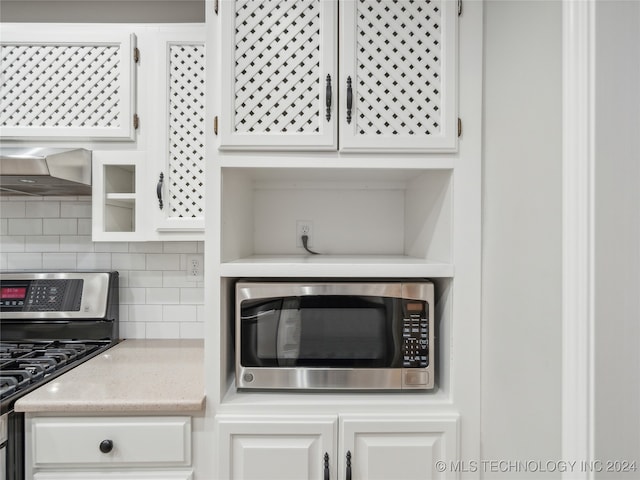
x=109, y=475
x=63, y=82
x=177, y=168
x=398, y=75
x=275, y=448
x=396, y=447
x=278, y=76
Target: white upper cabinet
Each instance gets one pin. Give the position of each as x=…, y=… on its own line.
x=278, y=74
x=158, y=193
x=178, y=165
x=73, y=84
x=398, y=75
x=395, y=89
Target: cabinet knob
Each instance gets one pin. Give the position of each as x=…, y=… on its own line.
x=348, y=475
x=106, y=446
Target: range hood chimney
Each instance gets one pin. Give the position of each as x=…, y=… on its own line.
x=45, y=171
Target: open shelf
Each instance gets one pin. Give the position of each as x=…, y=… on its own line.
x=391, y=222
x=401, y=266
x=119, y=179
x=119, y=198
x=335, y=160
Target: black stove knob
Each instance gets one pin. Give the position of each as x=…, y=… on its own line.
x=106, y=446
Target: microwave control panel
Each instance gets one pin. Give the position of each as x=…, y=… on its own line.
x=415, y=335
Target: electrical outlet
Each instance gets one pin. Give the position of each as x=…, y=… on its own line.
x=304, y=227
x=195, y=268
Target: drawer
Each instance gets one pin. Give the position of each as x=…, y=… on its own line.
x=133, y=441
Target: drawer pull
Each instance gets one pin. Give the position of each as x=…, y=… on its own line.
x=106, y=446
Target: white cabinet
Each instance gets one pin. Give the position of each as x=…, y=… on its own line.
x=388, y=448
x=75, y=82
x=109, y=447
x=408, y=211
x=381, y=447
x=158, y=192
x=154, y=475
x=398, y=64
x=177, y=163
x=99, y=87
x=274, y=448
x=275, y=59
x=395, y=89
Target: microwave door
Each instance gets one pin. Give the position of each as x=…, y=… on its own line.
x=320, y=332
x=345, y=332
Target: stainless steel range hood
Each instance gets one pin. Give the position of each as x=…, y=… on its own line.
x=45, y=171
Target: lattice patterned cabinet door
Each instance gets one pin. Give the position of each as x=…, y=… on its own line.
x=398, y=75
x=184, y=187
x=278, y=74
x=66, y=82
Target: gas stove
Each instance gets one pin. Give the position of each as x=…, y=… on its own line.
x=50, y=322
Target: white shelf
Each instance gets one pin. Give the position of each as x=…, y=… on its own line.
x=333, y=160
x=113, y=198
x=335, y=266
x=272, y=402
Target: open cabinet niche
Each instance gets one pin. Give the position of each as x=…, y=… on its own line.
x=120, y=196
x=398, y=218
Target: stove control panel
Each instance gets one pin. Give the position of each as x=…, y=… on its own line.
x=41, y=295
x=56, y=295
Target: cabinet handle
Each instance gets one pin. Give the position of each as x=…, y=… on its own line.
x=328, y=95
x=348, y=477
x=349, y=99
x=159, y=190
x=326, y=466
x=106, y=446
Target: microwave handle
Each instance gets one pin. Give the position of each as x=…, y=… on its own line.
x=348, y=476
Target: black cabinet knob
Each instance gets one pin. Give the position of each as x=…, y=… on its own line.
x=106, y=446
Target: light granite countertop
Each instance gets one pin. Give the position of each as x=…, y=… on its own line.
x=133, y=376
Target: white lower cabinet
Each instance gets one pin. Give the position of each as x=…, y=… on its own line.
x=67, y=475
x=109, y=448
x=355, y=447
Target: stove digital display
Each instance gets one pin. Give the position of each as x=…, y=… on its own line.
x=13, y=293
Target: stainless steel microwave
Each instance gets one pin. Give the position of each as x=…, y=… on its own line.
x=335, y=335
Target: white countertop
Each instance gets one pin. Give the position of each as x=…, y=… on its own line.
x=133, y=376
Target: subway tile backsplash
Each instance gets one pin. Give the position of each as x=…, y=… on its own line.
x=54, y=233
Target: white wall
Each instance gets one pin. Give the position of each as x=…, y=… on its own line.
x=54, y=233
x=617, y=235
x=522, y=244
x=102, y=11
